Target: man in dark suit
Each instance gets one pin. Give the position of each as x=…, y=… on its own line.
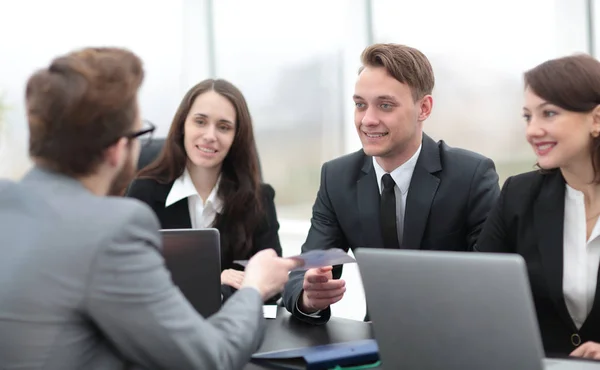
x=402, y=190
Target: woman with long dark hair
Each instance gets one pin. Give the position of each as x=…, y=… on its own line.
x=207, y=175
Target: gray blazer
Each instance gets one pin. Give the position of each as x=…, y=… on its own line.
x=84, y=286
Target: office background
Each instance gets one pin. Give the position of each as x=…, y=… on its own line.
x=296, y=62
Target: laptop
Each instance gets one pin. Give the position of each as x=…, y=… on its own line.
x=193, y=256
x=454, y=311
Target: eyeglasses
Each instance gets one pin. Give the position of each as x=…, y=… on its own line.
x=145, y=134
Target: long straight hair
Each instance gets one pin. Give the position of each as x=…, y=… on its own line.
x=239, y=187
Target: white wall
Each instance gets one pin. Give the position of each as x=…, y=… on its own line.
x=166, y=34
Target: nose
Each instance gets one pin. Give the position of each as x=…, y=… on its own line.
x=209, y=133
x=369, y=118
x=534, y=129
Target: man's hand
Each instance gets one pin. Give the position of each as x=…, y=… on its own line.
x=268, y=273
x=320, y=290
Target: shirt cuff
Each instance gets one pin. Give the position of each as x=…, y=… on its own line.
x=314, y=315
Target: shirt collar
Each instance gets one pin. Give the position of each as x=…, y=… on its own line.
x=214, y=199
x=401, y=175
x=184, y=188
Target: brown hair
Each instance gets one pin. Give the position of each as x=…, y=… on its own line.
x=407, y=65
x=571, y=83
x=239, y=186
x=80, y=105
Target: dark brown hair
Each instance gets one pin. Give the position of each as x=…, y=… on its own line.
x=573, y=84
x=239, y=186
x=80, y=105
x=407, y=65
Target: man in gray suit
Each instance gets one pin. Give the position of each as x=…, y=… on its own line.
x=82, y=281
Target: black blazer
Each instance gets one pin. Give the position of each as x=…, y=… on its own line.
x=177, y=216
x=449, y=197
x=528, y=220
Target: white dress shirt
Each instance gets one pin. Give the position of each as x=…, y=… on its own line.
x=402, y=176
x=202, y=214
x=580, y=258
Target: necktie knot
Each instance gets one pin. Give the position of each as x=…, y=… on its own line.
x=388, y=181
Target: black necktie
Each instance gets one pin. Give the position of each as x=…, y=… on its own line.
x=387, y=213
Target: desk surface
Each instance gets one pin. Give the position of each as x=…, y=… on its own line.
x=285, y=332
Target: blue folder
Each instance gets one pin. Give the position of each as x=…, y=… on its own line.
x=323, y=357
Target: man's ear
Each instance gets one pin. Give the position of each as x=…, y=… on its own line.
x=425, y=107
x=115, y=155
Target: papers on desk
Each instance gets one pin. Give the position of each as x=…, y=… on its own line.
x=318, y=258
x=270, y=311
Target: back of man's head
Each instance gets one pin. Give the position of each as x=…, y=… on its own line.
x=407, y=65
x=80, y=105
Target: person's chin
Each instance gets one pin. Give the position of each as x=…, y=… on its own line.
x=374, y=150
x=547, y=164
x=206, y=163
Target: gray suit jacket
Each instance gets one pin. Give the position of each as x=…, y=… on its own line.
x=83, y=286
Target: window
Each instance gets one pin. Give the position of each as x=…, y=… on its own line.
x=479, y=51
x=153, y=30
x=288, y=58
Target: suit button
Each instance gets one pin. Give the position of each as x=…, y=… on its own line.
x=575, y=339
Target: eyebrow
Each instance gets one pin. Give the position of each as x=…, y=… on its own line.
x=387, y=97
x=541, y=105
x=380, y=97
x=202, y=115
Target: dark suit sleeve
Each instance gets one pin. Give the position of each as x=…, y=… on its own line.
x=494, y=236
x=324, y=233
x=141, y=190
x=483, y=195
x=267, y=234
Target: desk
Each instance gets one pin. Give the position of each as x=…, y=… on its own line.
x=288, y=333
x=285, y=332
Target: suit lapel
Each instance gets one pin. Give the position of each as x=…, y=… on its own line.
x=421, y=192
x=368, y=199
x=175, y=216
x=594, y=316
x=548, y=219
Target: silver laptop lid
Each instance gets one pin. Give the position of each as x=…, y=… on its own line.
x=451, y=310
x=193, y=256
